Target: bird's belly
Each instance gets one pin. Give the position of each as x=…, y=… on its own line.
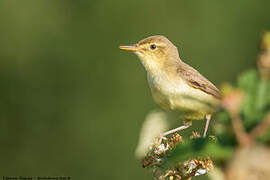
x=179, y=96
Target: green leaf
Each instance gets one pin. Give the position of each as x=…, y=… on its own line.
x=223, y=117
x=263, y=101
x=265, y=138
x=194, y=148
x=256, y=97
x=248, y=82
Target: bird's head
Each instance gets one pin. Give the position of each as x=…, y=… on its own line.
x=154, y=52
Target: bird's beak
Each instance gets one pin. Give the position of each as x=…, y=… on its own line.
x=132, y=47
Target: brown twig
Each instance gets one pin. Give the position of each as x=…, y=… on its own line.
x=261, y=128
x=242, y=136
x=232, y=103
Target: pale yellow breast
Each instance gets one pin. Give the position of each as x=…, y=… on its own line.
x=175, y=94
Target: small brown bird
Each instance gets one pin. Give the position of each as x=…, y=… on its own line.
x=174, y=84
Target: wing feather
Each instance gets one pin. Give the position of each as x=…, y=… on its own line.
x=198, y=81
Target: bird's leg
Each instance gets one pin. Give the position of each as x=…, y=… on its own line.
x=175, y=130
x=208, y=118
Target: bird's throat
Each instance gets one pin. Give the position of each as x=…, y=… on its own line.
x=158, y=67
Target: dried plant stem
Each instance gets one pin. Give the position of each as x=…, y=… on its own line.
x=242, y=136
x=261, y=128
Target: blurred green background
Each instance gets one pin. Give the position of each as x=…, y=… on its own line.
x=72, y=103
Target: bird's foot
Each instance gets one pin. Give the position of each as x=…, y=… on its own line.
x=208, y=118
x=175, y=130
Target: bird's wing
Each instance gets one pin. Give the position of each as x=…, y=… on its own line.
x=198, y=81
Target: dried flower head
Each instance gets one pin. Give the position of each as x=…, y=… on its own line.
x=195, y=135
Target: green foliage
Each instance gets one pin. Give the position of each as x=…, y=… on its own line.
x=247, y=82
x=255, y=105
x=254, y=108
x=198, y=148
x=219, y=148
x=223, y=117
x=265, y=138
x=257, y=97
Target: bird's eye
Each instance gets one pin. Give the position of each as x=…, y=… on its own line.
x=153, y=46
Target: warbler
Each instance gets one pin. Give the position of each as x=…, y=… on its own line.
x=174, y=84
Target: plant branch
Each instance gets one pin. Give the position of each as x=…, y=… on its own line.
x=241, y=135
x=232, y=103
x=261, y=128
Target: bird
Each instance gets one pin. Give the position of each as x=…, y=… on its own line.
x=175, y=85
